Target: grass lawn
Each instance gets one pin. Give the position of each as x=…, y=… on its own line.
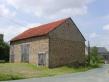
x=10, y=71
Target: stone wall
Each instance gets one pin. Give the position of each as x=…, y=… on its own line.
x=37, y=45
x=67, y=45
x=64, y=52
x=67, y=31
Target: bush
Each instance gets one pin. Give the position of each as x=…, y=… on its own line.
x=2, y=61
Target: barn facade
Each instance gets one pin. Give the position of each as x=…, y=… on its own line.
x=53, y=44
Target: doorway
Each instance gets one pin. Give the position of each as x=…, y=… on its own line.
x=25, y=53
x=41, y=59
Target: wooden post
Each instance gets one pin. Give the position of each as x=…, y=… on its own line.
x=89, y=52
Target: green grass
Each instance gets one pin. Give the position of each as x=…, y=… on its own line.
x=4, y=77
x=10, y=71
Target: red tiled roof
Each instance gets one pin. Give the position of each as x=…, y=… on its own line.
x=39, y=31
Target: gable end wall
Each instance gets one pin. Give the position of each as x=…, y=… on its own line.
x=66, y=46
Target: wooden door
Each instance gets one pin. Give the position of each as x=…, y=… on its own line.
x=12, y=58
x=42, y=59
x=25, y=53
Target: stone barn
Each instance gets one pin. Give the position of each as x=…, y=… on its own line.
x=54, y=44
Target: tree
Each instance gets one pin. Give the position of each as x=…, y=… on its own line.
x=4, y=51
x=94, y=57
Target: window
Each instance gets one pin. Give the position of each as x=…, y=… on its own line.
x=25, y=53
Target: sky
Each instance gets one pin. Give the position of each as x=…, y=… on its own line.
x=91, y=17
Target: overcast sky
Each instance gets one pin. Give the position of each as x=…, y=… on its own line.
x=91, y=17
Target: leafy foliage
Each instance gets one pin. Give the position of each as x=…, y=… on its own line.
x=4, y=51
x=94, y=59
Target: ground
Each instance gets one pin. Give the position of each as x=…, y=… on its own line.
x=95, y=75
x=13, y=71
